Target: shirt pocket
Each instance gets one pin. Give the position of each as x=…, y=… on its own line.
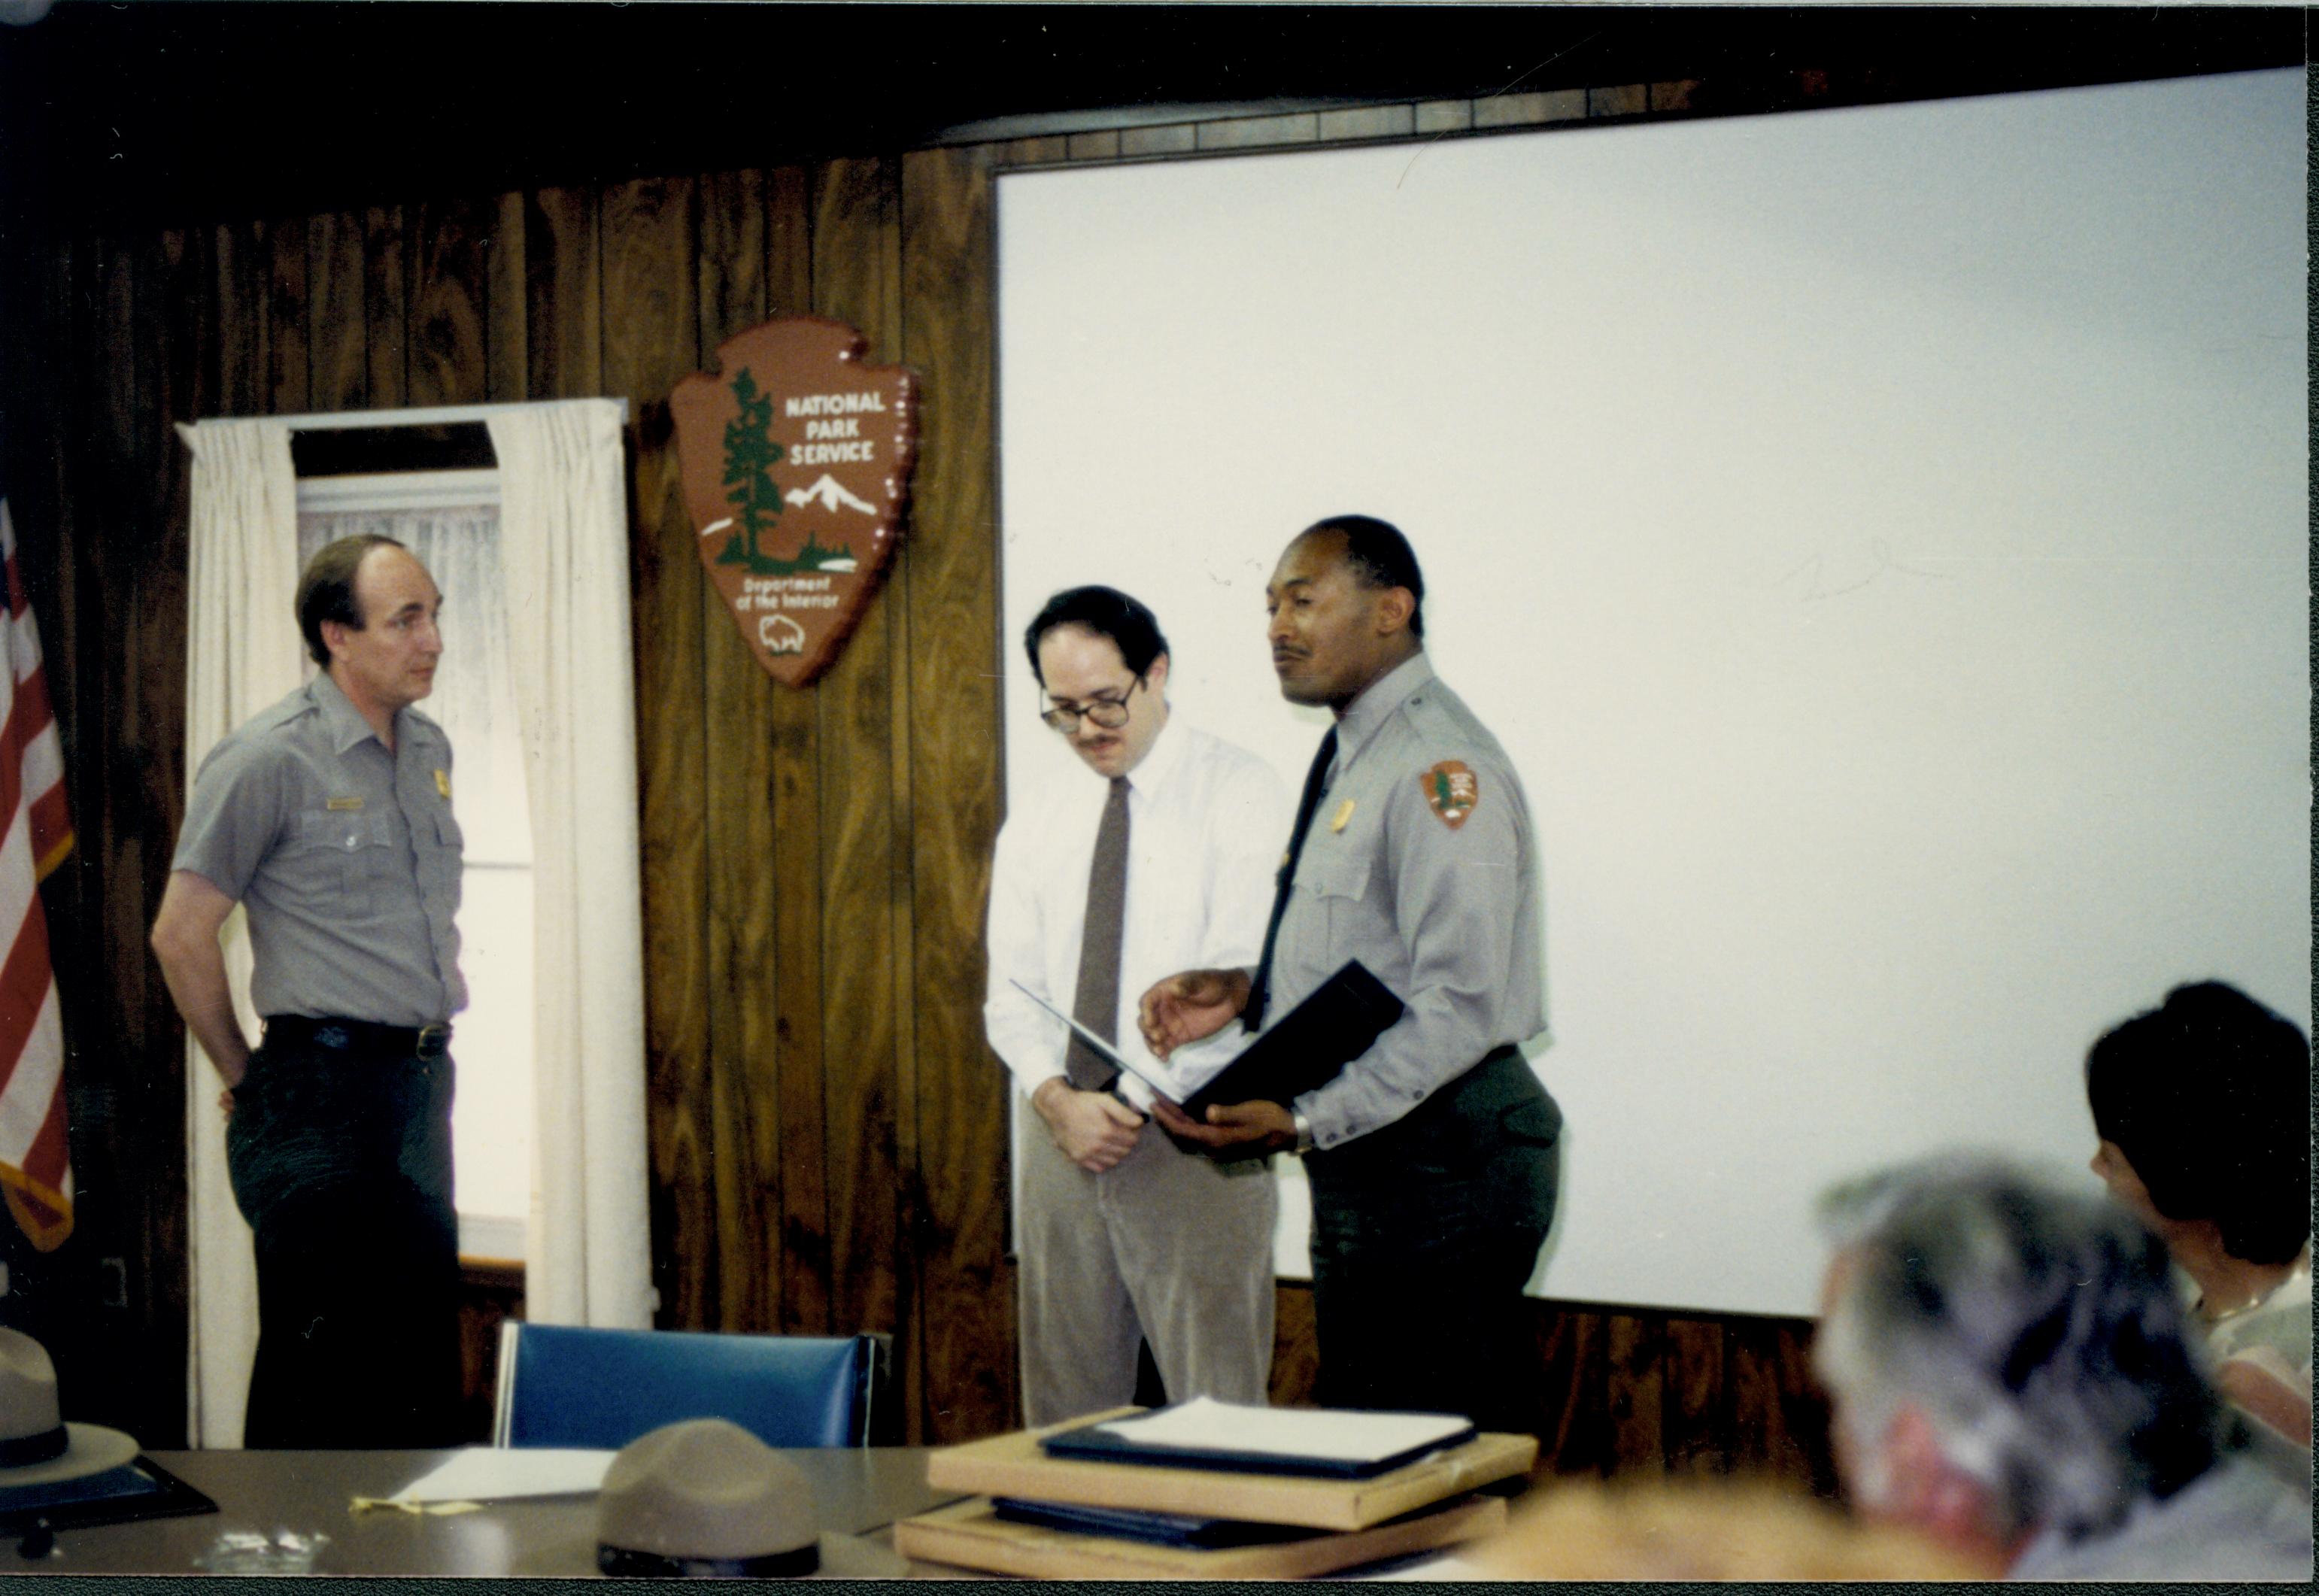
x=322, y=860
x=1336, y=882
x=375, y=861
x=1334, y=875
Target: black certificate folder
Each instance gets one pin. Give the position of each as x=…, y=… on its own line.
x=1308, y=1045
x=138, y=1489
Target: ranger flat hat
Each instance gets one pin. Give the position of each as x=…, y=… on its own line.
x=706, y=1499
x=37, y=1446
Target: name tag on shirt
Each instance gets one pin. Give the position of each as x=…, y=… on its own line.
x=344, y=803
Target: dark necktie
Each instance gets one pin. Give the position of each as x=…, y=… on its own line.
x=1316, y=781
x=1095, y=1004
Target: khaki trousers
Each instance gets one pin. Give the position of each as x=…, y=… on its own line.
x=1171, y=1247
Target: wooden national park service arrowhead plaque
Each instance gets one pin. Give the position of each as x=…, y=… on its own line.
x=797, y=464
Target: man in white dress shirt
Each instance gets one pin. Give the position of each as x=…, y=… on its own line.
x=1098, y=889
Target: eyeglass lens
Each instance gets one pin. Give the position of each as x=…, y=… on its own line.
x=1110, y=714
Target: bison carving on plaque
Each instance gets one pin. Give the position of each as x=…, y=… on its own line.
x=796, y=461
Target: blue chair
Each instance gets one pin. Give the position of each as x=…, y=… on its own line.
x=562, y=1385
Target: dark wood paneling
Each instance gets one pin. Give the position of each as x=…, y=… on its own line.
x=826, y=1126
x=505, y=306
x=564, y=294
x=1295, y=1361
x=1692, y=1395
x=337, y=330
x=386, y=305
x=288, y=359
x=651, y=339
x=173, y=304
x=490, y=1294
x=1778, y=1422
x=964, y=1287
x=743, y=959
x=865, y=905
x=450, y=289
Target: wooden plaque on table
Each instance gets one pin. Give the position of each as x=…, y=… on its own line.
x=971, y=1535
x=1014, y=1464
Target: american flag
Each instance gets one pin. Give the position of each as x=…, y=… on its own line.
x=35, y=1163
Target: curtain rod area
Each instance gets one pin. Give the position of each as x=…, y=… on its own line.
x=443, y=415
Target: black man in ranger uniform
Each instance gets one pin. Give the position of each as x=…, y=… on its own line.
x=1434, y=1157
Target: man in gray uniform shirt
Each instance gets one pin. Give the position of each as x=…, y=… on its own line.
x=1434, y=1157
x=328, y=817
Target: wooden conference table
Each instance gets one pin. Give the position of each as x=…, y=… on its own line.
x=856, y=1490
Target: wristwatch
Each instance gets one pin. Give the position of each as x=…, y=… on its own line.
x=1303, y=1131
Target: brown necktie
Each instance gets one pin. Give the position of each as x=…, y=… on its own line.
x=1095, y=1005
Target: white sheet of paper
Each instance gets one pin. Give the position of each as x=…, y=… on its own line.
x=1337, y=1437
x=499, y=1473
x=1197, y=1063
x=1185, y=1070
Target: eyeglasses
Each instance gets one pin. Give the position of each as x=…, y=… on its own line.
x=1110, y=714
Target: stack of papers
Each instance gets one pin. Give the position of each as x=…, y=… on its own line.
x=1243, y=1439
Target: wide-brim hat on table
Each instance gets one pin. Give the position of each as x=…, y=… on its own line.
x=705, y=1498
x=37, y=1446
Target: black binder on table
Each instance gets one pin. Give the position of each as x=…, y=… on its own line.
x=138, y=1489
x=1307, y=1046
x=1164, y=1529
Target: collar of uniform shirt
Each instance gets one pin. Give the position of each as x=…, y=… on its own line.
x=1378, y=702
x=346, y=723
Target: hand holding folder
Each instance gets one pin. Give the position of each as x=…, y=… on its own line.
x=1240, y=1107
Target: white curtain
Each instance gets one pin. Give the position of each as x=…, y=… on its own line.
x=243, y=653
x=563, y=536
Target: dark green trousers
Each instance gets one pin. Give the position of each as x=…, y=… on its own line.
x=1424, y=1236
x=340, y=1159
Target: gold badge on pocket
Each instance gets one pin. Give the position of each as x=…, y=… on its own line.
x=443, y=782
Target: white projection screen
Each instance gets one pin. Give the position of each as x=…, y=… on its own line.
x=1878, y=534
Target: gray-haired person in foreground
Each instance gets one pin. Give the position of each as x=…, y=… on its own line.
x=2013, y=1374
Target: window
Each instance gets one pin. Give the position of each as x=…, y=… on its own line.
x=451, y=520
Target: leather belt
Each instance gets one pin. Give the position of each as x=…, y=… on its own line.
x=362, y=1036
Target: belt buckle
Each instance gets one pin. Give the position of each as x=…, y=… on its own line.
x=432, y=1041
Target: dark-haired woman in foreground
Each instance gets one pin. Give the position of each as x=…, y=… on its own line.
x=2202, y=1105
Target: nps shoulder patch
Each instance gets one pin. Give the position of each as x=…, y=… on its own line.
x=1451, y=790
